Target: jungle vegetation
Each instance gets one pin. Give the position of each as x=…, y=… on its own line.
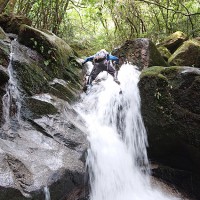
x=89, y=25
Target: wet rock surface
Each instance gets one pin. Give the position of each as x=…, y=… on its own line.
x=42, y=138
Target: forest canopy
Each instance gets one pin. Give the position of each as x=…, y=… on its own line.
x=89, y=25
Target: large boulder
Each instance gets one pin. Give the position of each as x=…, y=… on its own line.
x=188, y=54
x=174, y=41
x=171, y=113
x=141, y=52
x=59, y=60
x=11, y=23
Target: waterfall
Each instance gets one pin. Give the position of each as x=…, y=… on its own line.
x=47, y=193
x=117, y=159
x=11, y=101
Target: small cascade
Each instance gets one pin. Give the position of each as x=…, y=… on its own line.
x=11, y=102
x=117, y=159
x=47, y=193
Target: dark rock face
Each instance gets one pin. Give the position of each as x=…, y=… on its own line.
x=171, y=114
x=186, y=181
x=43, y=139
x=141, y=52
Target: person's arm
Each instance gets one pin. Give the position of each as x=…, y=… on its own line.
x=114, y=58
x=88, y=59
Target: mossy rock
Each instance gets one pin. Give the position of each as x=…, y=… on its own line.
x=3, y=35
x=59, y=59
x=188, y=54
x=40, y=108
x=11, y=23
x=63, y=91
x=174, y=41
x=4, y=54
x=164, y=52
x=32, y=79
x=171, y=111
x=141, y=52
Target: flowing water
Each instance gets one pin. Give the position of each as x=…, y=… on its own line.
x=11, y=101
x=117, y=159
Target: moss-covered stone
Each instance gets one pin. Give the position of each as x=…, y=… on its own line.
x=174, y=41
x=3, y=35
x=141, y=52
x=164, y=52
x=171, y=113
x=65, y=92
x=33, y=79
x=4, y=54
x=40, y=108
x=59, y=59
x=188, y=54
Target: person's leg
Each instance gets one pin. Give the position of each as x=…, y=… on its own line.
x=94, y=73
x=111, y=70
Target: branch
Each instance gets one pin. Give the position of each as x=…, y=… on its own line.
x=176, y=11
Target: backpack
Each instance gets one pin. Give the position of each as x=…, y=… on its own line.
x=100, y=56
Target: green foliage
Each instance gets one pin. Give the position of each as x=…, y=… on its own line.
x=89, y=25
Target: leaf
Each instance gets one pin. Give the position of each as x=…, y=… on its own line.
x=46, y=62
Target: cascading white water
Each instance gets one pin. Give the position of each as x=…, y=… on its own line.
x=47, y=193
x=11, y=100
x=117, y=158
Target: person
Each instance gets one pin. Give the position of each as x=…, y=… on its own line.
x=102, y=61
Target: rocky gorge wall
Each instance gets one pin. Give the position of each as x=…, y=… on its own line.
x=42, y=138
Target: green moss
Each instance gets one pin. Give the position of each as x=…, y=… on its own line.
x=2, y=34
x=187, y=54
x=176, y=35
x=151, y=71
x=164, y=52
x=39, y=107
x=32, y=78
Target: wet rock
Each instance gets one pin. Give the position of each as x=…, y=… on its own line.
x=141, y=52
x=4, y=53
x=11, y=23
x=188, y=54
x=185, y=181
x=174, y=41
x=39, y=107
x=4, y=75
x=171, y=113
